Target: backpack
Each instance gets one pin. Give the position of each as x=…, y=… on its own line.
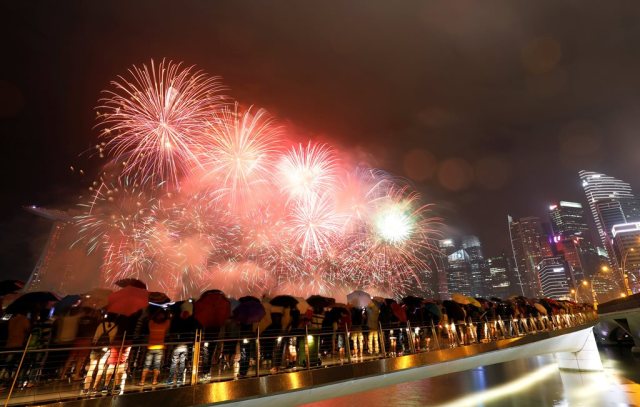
x=105, y=339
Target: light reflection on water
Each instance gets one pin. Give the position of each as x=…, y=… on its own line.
x=534, y=382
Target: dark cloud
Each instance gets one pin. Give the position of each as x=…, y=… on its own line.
x=536, y=89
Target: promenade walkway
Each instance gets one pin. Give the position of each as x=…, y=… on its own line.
x=211, y=360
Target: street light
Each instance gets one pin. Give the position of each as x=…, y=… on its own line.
x=623, y=270
x=575, y=295
x=594, y=298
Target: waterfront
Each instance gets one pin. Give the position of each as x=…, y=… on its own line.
x=525, y=382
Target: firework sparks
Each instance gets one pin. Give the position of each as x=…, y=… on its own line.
x=201, y=195
x=155, y=119
x=241, y=152
x=308, y=170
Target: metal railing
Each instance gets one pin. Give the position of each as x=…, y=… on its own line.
x=32, y=376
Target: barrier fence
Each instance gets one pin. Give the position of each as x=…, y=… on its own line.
x=31, y=375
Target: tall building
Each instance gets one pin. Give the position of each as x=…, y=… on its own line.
x=502, y=273
x=611, y=202
x=466, y=268
x=567, y=219
x=626, y=244
x=554, y=278
x=459, y=273
x=480, y=277
x=608, y=197
x=529, y=248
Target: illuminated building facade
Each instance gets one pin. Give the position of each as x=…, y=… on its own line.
x=611, y=202
x=554, y=278
x=567, y=219
x=529, y=247
x=502, y=276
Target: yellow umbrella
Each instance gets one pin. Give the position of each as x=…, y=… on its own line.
x=460, y=299
x=474, y=302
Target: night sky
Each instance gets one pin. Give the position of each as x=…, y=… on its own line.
x=489, y=107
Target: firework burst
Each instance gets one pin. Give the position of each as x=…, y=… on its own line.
x=204, y=196
x=154, y=120
x=240, y=153
x=306, y=171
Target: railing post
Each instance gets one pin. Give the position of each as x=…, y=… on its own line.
x=347, y=343
x=411, y=338
x=15, y=378
x=383, y=347
x=115, y=371
x=258, y=352
x=195, y=358
x=434, y=333
x=307, y=351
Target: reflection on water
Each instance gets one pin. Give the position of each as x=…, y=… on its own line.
x=526, y=382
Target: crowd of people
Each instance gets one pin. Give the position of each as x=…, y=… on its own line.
x=100, y=342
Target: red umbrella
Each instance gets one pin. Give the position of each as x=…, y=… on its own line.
x=128, y=300
x=399, y=311
x=212, y=310
x=126, y=282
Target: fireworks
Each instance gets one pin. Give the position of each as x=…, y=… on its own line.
x=240, y=155
x=203, y=195
x=306, y=171
x=155, y=119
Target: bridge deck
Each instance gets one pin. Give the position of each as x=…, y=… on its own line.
x=302, y=379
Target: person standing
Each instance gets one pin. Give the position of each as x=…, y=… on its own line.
x=158, y=327
x=103, y=336
x=18, y=330
x=373, y=339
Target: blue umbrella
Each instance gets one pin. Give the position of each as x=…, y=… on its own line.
x=65, y=304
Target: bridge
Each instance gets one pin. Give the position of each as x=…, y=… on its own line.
x=622, y=314
x=428, y=351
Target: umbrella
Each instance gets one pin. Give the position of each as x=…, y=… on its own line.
x=212, y=309
x=96, y=298
x=359, y=298
x=158, y=297
x=284, y=301
x=67, y=303
x=249, y=312
x=9, y=298
x=399, y=311
x=29, y=301
x=249, y=298
x=302, y=305
x=433, y=309
x=412, y=301
x=460, y=299
x=474, y=302
x=454, y=311
x=134, y=282
x=378, y=300
x=128, y=300
x=319, y=302
x=541, y=309
x=10, y=286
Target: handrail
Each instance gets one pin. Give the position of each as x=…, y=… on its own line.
x=198, y=359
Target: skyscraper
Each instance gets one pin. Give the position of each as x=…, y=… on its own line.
x=626, y=244
x=459, y=273
x=554, y=278
x=610, y=201
x=480, y=277
x=502, y=273
x=529, y=248
x=567, y=219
